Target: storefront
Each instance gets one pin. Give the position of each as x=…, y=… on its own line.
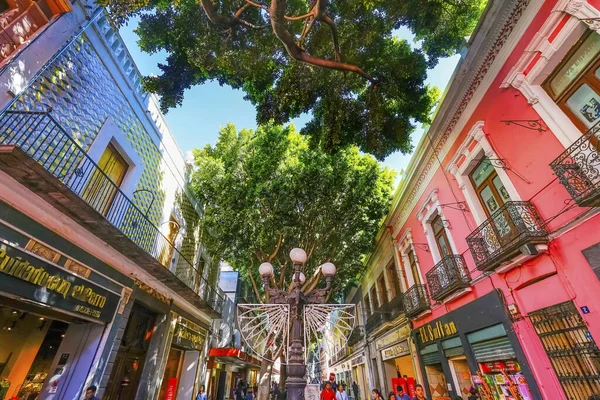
x=474, y=346
x=227, y=367
x=182, y=366
x=53, y=315
x=396, y=359
x=359, y=377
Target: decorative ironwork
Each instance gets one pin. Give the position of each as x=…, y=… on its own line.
x=578, y=168
x=357, y=335
x=422, y=246
x=393, y=308
x=264, y=328
x=416, y=300
x=459, y=206
x=571, y=349
x=531, y=124
x=329, y=326
x=374, y=321
x=447, y=276
x=40, y=136
x=500, y=237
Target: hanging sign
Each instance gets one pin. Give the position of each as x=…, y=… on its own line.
x=32, y=278
x=188, y=334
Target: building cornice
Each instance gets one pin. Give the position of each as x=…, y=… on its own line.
x=489, y=50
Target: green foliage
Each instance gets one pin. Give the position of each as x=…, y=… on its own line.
x=375, y=109
x=258, y=185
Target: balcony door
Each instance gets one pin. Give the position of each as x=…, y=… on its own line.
x=101, y=188
x=441, y=238
x=493, y=195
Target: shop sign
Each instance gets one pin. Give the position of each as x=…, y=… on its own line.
x=357, y=361
x=27, y=276
x=499, y=366
x=396, y=336
x=152, y=292
x=437, y=330
x=188, y=334
x=397, y=350
x=171, y=387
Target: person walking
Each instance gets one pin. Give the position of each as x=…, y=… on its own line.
x=327, y=393
x=201, y=395
x=90, y=393
x=355, y=390
x=400, y=395
x=250, y=394
x=377, y=394
x=419, y=392
x=341, y=393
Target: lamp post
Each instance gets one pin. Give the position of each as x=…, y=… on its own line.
x=296, y=368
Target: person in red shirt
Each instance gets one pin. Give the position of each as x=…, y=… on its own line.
x=328, y=393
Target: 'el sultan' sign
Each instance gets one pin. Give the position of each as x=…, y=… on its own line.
x=437, y=330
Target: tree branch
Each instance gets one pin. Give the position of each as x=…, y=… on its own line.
x=274, y=254
x=255, y=288
x=277, y=12
x=298, y=18
x=334, y=35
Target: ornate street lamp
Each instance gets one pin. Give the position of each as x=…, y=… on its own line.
x=292, y=320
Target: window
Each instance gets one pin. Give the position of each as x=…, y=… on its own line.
x=414, y=268
x=374, y=300
x=575, y=83
x=489, y=188
x=367, y=306
x=102, y=186
x=173, y=228
x=382, y=289
x=394, y=280
x=441, y=239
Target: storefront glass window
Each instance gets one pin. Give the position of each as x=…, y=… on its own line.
x=28, y=346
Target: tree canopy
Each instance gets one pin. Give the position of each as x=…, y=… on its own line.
x=337, y=60
x=267, y=191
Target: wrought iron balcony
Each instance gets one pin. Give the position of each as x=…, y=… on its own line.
x=500, y=237
x=416, y=300
x=393, y=308
x=448, y=276
x=578, y=168
x=40, y=154
x=374, y=321
x=358, y=334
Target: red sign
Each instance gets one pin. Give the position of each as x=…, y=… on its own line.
x=331, y=377
x=171, y=389
x=408, y=385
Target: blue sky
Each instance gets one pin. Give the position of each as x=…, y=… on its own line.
x=208, y=107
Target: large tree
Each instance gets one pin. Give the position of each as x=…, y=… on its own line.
x=337, y=60
x=267, y=191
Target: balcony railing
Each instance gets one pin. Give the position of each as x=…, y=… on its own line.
x=416, y=300
x=393, y=308
x=448, y=276
x=358, y=334
x=42, y=138
x=500, y=237
x=578, y=168
x=339, y=356
x=374, y=321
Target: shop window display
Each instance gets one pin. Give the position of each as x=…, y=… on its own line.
x=501, y=380
x=28, y=346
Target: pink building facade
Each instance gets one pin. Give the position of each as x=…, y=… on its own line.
x=496, y=222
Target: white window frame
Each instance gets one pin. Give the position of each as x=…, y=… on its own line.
x=430, y=209
x=471, y=151
x=541, y=57
x=404, y=245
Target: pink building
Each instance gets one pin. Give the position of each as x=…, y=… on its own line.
x=496, y=221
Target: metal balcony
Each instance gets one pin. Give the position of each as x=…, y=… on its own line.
x=578, y=168
x=358, y=335
x=37, y=152
x=374, y=321
x=448, y=276
x=393, y=308
x=416, y=300
x=500, y=237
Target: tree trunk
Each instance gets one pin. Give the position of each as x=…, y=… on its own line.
x=282, y=374
x=264, y=380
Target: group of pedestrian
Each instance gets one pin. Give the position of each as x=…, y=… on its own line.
x=400, y=395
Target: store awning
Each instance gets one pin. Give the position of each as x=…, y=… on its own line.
x=231, y=355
